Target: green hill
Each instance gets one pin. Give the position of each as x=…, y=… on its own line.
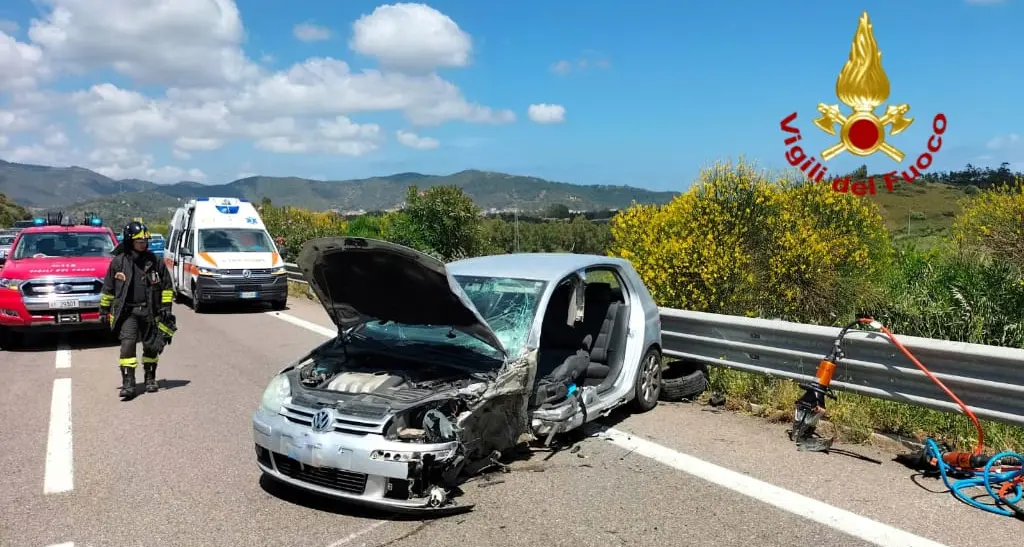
x=44, y=187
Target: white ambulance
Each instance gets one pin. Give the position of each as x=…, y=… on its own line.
x=218, y=250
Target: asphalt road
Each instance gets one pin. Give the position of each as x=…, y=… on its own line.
x=176, y=468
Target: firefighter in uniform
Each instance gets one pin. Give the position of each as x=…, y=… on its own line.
x=136, y=302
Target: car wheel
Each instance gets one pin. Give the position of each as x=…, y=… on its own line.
x=648, y=382
x=683, y=380
x=279, y=305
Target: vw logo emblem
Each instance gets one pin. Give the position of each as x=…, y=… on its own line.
x=246, y=273
x=62, y=288
x=323, y=420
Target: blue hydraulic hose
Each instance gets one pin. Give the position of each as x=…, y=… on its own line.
x=990, y=481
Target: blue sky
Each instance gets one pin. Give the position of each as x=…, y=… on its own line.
x=651, y=90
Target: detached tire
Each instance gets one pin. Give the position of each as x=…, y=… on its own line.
x=683, y=380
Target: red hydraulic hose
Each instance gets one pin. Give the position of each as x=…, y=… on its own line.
x=980, y=447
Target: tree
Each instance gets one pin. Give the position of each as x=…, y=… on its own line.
x=11, y=212
x=442, y=221
x=556, y=210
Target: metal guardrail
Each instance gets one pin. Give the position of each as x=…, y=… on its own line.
x=989, y=379
x=294, y=274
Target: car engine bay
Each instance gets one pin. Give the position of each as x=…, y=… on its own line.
x=397, y=379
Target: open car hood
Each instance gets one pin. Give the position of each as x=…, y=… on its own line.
x=360, y=279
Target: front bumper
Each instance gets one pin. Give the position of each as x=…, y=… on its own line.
x=240, y=289
x=362, y=469
x=78, y=312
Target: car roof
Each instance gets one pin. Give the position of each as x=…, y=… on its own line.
x=63, y=229
x=538, y=266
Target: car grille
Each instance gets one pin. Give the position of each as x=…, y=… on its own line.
x=335, y=479
x=342, y=423
x=64, y=287
x=253, y=271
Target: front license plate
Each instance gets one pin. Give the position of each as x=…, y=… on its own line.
x=64, y=304
x=344, y=459
x=248, y=294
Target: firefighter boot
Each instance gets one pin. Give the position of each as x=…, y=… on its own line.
x=151, y=385
x=127, y=382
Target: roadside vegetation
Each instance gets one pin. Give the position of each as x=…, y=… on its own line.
x=940, y=258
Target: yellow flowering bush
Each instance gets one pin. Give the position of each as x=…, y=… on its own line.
x=291, y=226
x=742, y=243
x=993, y=222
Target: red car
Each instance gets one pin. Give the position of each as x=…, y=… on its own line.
x=52, y=278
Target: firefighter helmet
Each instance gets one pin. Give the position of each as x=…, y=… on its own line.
x=135, y=230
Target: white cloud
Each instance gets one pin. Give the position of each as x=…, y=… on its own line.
x=202, y=91
x=21, y=64
x=125, y=163
x=1003, y=142
x=326, y=86
x=562, y=67
x=55, y=137
x=169, y=42
x=411, y=36
x=547, y=113
x=590, y=59
x=308, y=32
x=412, y=140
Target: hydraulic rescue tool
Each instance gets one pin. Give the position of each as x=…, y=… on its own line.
x=1001, y=475
x=810, y=407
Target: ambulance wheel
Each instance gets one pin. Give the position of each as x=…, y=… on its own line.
x=278, y=305
x=197, y=306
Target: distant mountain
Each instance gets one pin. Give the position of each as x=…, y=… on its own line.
x=79, y=189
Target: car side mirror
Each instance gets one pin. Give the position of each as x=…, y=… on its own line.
x=186, y=252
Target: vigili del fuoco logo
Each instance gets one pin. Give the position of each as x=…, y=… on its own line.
x=863, y=86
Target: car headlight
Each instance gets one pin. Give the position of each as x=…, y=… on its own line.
x=277, y=392
x=6, y=283
x=208, y=271
x=280, y=270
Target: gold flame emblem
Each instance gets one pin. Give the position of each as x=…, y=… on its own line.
x=863, y=86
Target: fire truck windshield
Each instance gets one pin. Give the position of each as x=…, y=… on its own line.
x=64, y=244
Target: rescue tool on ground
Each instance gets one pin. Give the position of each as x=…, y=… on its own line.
x=811, y=406
x=1001, y=475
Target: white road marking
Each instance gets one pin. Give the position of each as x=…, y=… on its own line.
x=308, y=325
x=850, y=523
x=63, y=355
x=355, y=535
x=845, y=521
x=59, y=475
x=68, y=544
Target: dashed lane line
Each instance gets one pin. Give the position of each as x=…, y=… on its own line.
x=63, y=355
x=59, y=475
x=308, y=325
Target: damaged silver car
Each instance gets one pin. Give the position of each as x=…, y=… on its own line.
x=438, y=371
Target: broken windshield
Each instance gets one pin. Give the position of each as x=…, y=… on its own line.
x=507, y=304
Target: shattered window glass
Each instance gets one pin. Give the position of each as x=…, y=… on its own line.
x=509, y=306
